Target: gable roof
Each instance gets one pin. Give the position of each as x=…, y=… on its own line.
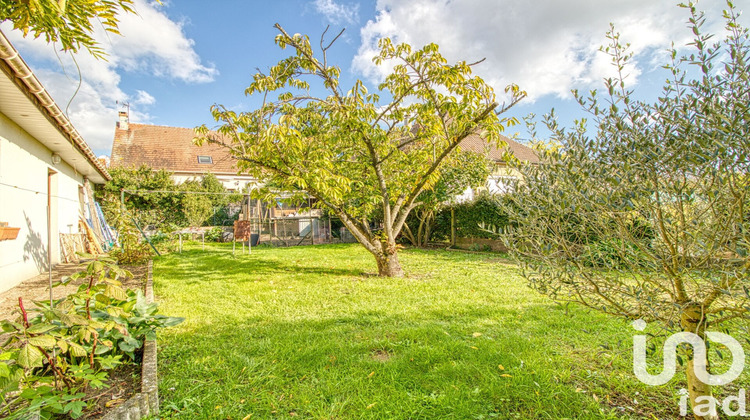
x=169, y=148
x=25, y=101
x=172, y=149
x=475, y=143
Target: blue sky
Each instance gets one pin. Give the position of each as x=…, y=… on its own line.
x=176, y=59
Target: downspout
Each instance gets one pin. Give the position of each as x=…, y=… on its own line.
x=49, y=235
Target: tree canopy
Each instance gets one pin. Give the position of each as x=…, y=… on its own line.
x=68, y=22
x=360, y=157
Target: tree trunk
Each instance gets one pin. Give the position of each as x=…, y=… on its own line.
x=388, y=265
x=693, y=320
x=409, y=235
x=429, y=220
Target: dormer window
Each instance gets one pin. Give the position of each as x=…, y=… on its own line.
x=205, y=159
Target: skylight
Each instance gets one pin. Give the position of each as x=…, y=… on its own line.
x=205, y=159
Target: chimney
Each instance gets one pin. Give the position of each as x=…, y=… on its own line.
x=123, y=123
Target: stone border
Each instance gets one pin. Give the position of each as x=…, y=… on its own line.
x=146, y=402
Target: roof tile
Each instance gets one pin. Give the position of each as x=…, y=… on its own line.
x=169, y=148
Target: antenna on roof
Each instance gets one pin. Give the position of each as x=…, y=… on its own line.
x=125, y=105
x=124, y=116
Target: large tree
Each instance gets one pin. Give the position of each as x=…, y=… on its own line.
x=648, y=216
x=71, y=23
x=355, y=154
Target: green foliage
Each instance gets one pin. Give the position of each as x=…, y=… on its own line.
x=168, y=209
x=54, y=356
x=70, y=23
x=214, y=234
x=210, y=183
x=153, y=209
x=461, y=170
x=195, y=207
x=484, y=210
x=354, y=154
x=131, y=248
x=647, y=216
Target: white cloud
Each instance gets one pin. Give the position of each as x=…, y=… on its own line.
x=150, y=43
x=337, y=13
x=143, y=98
x=547, y=47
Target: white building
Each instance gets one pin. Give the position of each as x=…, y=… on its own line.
x=503, y=178
x=44, y=165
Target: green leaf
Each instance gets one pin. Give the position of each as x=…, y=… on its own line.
x=44, y=341
x=76, y=350
x=115, y=292
x=29, y=357
x=41, y=328
x=4, y=370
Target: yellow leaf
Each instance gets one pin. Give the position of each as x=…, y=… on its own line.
x=371, y=405
x=371, y=374
x=505, y=375
x=501, y=367
x=247, y=417
x=475, y=348
x=476, y=334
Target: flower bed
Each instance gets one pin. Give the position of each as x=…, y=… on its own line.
x=57, y=353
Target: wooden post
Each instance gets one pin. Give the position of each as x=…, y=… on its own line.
x=453, y=226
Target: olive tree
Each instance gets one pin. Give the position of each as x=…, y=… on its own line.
x=353, y=153
x=643, y=211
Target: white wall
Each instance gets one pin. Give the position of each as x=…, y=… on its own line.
x=24, y=167
x=230, y=182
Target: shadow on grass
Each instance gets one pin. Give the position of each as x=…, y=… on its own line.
x=210, y=264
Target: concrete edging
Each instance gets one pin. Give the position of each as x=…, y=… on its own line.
x=146, y=402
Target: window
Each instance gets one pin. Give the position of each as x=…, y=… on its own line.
x=205, y=159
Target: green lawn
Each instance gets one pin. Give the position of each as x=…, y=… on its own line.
x=310, y=332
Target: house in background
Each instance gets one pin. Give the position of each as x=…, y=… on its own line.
x=172, y=149
x=45, y=165
x=503, y=178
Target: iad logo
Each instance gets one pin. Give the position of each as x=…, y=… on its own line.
x=707, y=405
x=699, y=357
x=704, y=405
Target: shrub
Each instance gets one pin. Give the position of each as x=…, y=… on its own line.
x=89, y=332
x=214, y=234
x=131, y=249
x=484, y=210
